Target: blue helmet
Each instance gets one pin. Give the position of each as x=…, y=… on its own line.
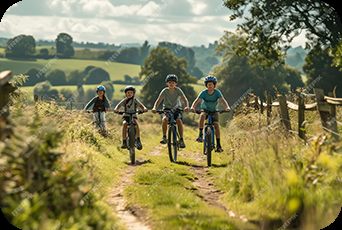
x=210, y=78
x=171, y=77
x=100, y=87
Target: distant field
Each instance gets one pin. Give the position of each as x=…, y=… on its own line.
x=116, y=70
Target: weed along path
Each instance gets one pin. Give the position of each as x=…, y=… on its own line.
x=131, y=217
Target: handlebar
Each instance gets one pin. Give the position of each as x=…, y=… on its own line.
x=169, y=111
x=210, y=112
x=140, y=111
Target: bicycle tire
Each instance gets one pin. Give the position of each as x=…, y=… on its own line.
x=208, y=143
x=172, y=143
x=131, y=144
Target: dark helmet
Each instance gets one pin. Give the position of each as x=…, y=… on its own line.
x=210, y=78
x=130, y=87
x=101, y=87
x=171, y=77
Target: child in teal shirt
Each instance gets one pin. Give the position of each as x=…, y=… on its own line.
x=210, y=97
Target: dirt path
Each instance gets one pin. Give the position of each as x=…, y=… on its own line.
x=132, y=217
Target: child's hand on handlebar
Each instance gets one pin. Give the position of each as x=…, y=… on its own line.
x=154, y=110
x=192, y=109
x=186, y=109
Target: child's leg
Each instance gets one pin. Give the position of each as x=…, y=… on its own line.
x=137, y=127
x=124, y=130
x=217, y=130
x=103, y=119
x=180, y=127
x=164, y=124
x=95, y=116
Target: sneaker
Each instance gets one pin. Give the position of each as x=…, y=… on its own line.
x=124, y=145
x=219, y=149
x=163, y=141
x=199, y=138
x=181, y=143
x=138, y=144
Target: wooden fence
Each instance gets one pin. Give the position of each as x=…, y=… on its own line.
x=5, y=89
x=324, y=105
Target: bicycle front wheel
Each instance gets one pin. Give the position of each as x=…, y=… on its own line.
x=131, y=144
x=172, y=143
x=209, y=147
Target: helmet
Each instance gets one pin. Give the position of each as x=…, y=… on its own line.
x=210, y=78
x=171, y=77
x=129, y=87
x=100, y=87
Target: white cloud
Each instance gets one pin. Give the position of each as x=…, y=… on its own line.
x=149, y=9
x=197, y=7
x=105, y=8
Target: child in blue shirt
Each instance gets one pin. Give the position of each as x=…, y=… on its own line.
x=210, y=97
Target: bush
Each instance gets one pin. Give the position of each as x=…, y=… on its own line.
x=57, y=77
x=96, y=76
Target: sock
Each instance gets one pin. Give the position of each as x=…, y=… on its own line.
x=138, y=138
x=181, y=138
x=164, y=136
x=201, y=131
x=123, y=141
x=218, y=142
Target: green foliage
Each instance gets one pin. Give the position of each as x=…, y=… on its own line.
x=44, y=89
x=75, y=77
x=158, y=65
x=63, y=45
x=57, y=77
x=268, y=30
x=34, y=77
x=21, y=46
x=320, y=71
x=109, y=89
x=96, y=76
x=40, y=187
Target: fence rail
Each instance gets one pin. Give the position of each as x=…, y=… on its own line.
x=325, y=105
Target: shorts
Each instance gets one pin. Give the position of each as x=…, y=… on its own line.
x=126, y=118
x=215, y=116
x=178, y=115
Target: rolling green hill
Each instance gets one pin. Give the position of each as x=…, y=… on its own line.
x=116, y=70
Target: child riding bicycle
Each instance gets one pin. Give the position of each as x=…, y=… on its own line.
x=209, y=99
x=130, y=103
x=172, y=95
x=100, y=104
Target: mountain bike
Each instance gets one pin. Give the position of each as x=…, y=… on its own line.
x=209, y=134
x=131, y=133
x=173, y=136
x=98, y=123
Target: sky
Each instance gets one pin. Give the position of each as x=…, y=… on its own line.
x=186, y=22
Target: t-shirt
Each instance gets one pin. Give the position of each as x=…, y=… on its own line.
x=209, y=102
x=130, y=104
x=99, y=105
x=171, y=100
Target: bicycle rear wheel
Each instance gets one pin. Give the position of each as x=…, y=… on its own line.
x=172, y=143
x=131, y=144
x=209, y=147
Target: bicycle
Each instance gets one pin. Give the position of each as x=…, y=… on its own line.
x=131, y=133
x=209, y=134
x=98, y=123
x=173, y=136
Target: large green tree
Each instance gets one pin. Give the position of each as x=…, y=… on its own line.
x=320, y=73
x=157, y=66
x=21, y=46
x=63, y=45
x=271, y=26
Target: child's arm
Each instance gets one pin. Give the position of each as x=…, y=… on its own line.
x=90, y=103
x=194, y=104
x=107, y=105
x=225, y=103
x=154, y=109
x=186, y=102
x=142, y=106
x=117, y=107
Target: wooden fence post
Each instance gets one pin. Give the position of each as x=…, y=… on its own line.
x=269, y=108
x=35, y=97
x=301, y=116
x=284, y=112
x=5, y=89
x=322, y=107
x=333, y=122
